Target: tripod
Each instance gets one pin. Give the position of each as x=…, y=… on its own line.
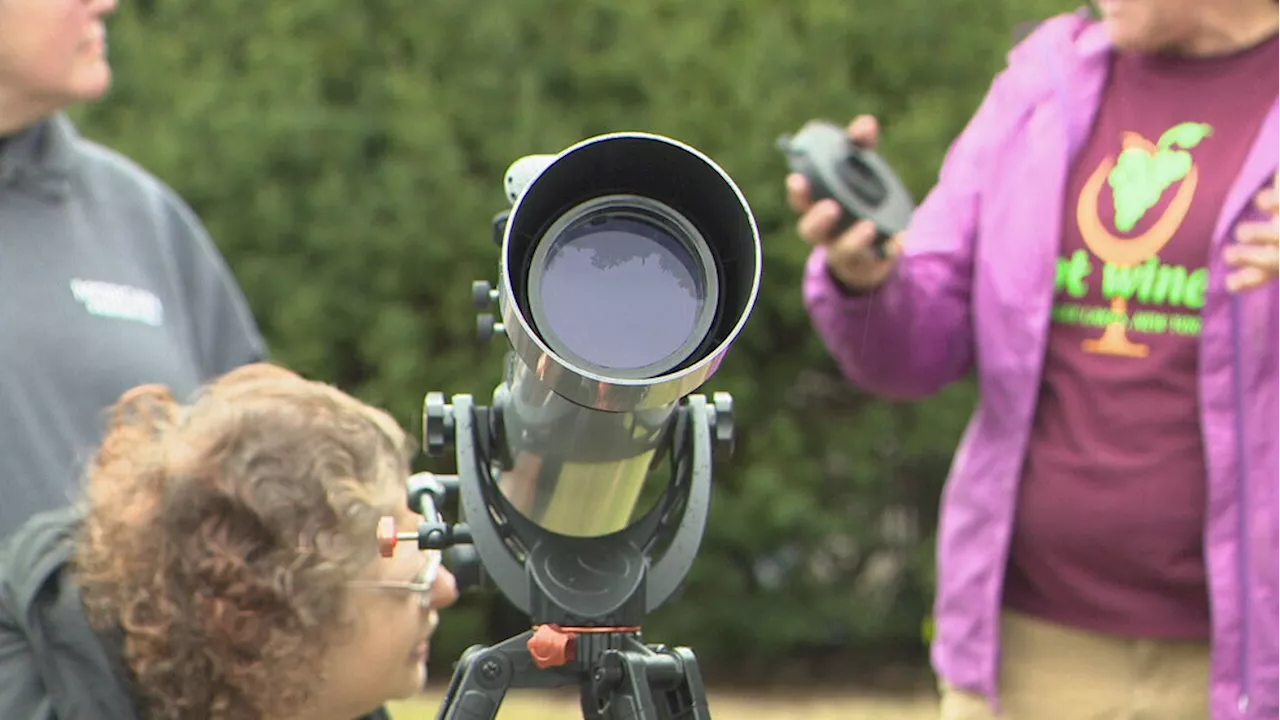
x=620, y=678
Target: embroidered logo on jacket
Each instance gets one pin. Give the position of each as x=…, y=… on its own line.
x=120, y=302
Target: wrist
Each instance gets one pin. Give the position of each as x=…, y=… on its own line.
x=850, y=289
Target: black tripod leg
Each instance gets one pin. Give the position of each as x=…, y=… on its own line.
x=485, y=674
x=621, y=688
x=472, y=695
x=455, y=681
x=688, y=700
x=649, y=683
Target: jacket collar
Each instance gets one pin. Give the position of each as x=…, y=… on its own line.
x=41, y=157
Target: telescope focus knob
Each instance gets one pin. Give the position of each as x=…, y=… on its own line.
x=487, y=326
x=387, y=539
x=437, y=424
x=722, y=423
x=482, y=294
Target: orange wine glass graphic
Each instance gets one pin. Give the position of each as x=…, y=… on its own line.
x=1137, y=178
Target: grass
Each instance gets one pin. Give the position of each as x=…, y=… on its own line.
x=816, y=705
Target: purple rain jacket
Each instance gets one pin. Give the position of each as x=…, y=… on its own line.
x=973, y=292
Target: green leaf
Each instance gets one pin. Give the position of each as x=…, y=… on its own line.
x=1187, y=135
x=1171, y=166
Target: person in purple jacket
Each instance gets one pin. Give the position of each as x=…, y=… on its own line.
x=1100, y=249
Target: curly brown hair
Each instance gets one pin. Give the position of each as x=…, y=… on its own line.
x=219, y=536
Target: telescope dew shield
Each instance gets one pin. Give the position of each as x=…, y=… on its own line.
x=630, y=262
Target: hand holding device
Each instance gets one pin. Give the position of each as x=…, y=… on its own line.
x=835, y=166
x=849, y=200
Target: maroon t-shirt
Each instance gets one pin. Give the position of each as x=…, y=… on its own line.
x=1111, y=510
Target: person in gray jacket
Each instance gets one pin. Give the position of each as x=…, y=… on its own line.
x=107, y=278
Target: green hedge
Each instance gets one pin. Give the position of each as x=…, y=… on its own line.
x=347, y=156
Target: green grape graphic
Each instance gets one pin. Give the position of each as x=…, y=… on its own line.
x=1139, y=179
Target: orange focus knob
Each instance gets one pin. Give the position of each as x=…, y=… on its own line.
x=387, y=536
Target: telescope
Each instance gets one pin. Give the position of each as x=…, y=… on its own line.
x=629, y=264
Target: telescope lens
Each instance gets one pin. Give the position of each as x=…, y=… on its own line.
x=626, y=288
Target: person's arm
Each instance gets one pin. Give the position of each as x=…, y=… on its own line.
x=912, y=335
x=223, y=330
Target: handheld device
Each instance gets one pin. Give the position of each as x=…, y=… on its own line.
x=857, y=178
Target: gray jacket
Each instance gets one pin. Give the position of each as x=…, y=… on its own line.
x=107, y=281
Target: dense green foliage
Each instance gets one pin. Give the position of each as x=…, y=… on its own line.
x=347, y=157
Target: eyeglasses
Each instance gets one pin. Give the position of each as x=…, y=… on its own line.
x=421, y=584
